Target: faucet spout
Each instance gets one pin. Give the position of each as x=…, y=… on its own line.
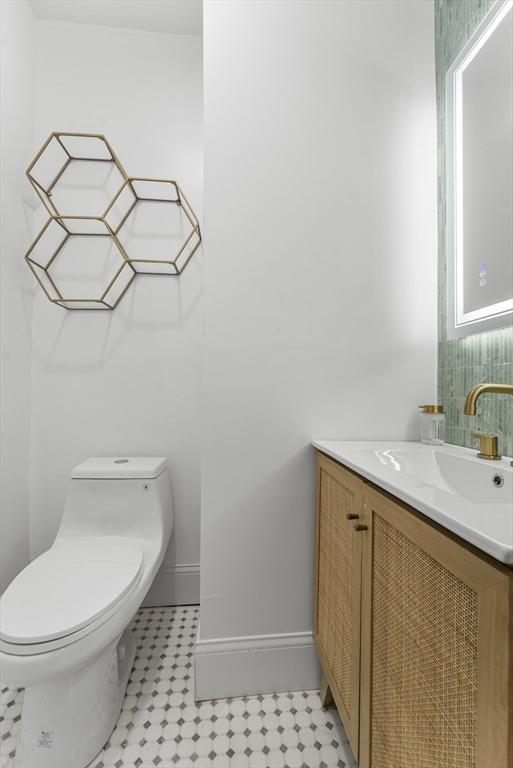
x=475, y=393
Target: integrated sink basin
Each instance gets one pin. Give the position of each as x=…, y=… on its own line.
x=471, y=497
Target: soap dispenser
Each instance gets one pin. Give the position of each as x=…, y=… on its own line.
x=432, y=424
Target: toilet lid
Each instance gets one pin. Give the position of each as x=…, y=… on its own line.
x=68, y=587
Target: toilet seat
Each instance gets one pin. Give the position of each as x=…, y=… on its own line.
x=68, y=590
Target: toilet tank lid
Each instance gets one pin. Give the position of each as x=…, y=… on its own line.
x=119, y=467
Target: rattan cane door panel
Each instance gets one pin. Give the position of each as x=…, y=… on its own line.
x=424, y=658
x=338, y=589
x=438, y=650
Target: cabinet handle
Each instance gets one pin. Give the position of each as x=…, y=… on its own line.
x=359, y=527
x=352, y=516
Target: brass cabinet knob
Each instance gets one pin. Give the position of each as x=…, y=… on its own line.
x=359, y=527
x=489, y=446
x=352, y=516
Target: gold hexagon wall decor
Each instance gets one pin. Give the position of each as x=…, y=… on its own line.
x=76, y=172
x=76, y=257
x=112, y=207
x=150, y=216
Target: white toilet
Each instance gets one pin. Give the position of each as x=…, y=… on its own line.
x=63, y=620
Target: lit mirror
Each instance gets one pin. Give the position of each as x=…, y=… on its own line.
x=480, y=178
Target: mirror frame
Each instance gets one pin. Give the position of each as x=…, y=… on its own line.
x=459, y=322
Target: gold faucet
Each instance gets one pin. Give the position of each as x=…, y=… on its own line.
x=480, y=389
x=489, y=449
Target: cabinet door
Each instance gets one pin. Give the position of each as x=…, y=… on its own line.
x=338, y=571
x=437, y=646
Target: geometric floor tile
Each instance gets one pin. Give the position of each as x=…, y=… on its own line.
x=161, y=726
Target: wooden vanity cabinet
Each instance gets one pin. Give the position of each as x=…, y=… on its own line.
x=428, y=682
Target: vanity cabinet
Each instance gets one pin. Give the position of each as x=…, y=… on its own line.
x=415, y=632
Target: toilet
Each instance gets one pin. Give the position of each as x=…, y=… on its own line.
x=64, y=618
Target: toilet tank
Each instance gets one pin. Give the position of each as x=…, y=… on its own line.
x=119, y=496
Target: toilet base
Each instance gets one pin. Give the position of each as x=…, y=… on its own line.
x=66, y=722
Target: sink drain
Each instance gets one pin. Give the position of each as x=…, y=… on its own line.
x=498, y=480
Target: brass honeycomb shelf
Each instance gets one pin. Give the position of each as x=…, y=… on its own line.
x=61, y=243
x=57, y=155
x=131, y=195
x=56, y=244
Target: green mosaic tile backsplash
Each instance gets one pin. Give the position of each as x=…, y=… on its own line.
x=462, y=363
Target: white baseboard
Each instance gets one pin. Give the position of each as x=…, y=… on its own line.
x=244, y=666
x=175, y=585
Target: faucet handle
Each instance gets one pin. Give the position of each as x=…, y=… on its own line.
x=489, y=446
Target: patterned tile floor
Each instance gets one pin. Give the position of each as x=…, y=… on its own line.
x=161, y=726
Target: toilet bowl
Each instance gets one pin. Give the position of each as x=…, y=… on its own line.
x=64, y=618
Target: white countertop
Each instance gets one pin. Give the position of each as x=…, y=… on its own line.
x=447, y=483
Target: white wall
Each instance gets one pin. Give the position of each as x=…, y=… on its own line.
x=17, y=93
x=128, y=381
x=320, y=202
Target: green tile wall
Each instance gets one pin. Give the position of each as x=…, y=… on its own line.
x=462, y=363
